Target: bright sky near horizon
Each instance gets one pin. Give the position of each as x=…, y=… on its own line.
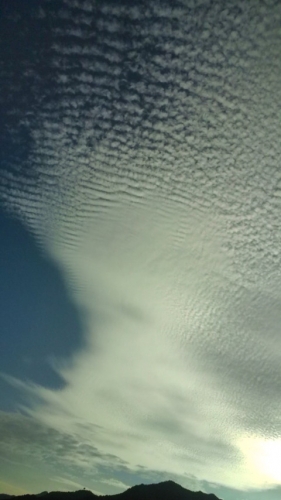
x=140, y=196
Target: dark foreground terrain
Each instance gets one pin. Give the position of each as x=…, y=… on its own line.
x=167, y=490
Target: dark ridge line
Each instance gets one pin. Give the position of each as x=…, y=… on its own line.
x=167, y=490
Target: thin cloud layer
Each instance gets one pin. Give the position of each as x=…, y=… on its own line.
x=154, y=183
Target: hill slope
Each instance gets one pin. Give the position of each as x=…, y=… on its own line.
x=167, y=490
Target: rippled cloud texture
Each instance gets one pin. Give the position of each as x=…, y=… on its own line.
x=149, y=171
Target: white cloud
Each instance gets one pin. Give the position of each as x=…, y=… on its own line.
x=149, y=285
x=69, y=484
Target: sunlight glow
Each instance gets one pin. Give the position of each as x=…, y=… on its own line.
x=269, y=459
x=264, y=455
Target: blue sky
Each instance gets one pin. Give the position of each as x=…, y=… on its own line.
x=39, y=322
x=140, y=246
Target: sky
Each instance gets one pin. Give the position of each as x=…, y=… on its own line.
x=140, y=204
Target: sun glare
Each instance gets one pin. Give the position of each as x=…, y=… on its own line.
x=264, y=456
x=269, y=459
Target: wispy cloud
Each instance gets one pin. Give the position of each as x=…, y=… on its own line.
x=67, y=484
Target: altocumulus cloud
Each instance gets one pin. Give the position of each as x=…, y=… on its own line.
x=154, y=182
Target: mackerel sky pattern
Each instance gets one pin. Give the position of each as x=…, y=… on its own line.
x=141, y=148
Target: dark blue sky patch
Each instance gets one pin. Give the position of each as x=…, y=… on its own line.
x=27, y=78
x=38, y=320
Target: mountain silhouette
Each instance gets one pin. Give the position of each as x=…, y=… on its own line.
x=167, y=490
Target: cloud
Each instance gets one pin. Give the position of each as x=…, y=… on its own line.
x=154, y=186
x=67, y=484
x=25, y=438
x=145, y=383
